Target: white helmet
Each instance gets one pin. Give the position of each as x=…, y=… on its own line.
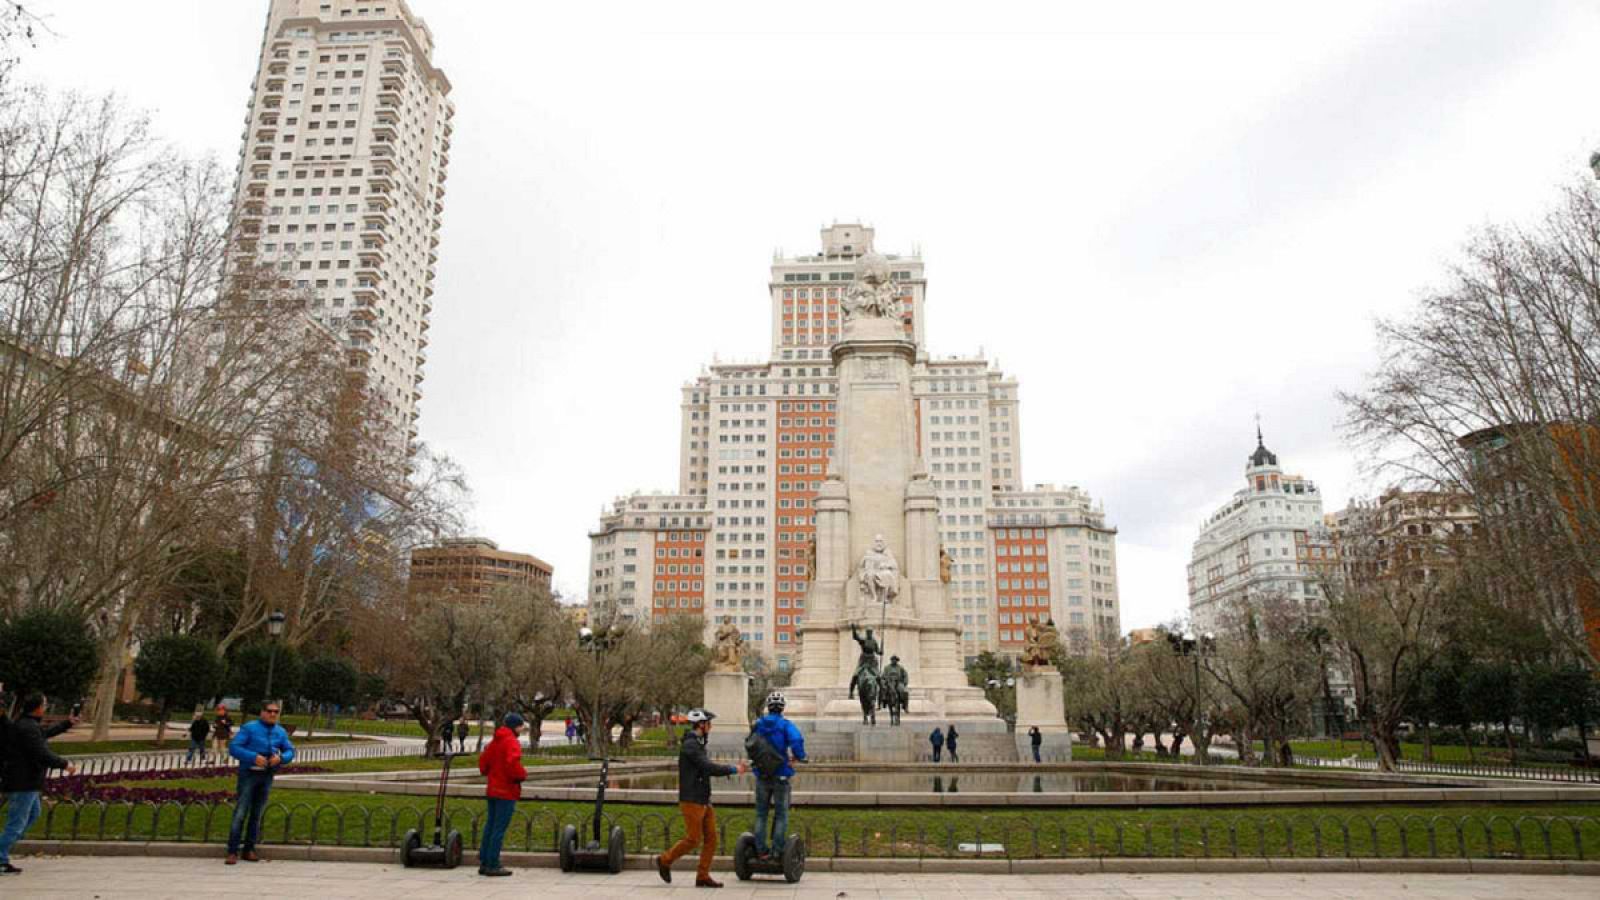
x=777, y=699
x=697, y=715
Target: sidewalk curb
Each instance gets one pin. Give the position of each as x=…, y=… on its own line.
x=1067, y=866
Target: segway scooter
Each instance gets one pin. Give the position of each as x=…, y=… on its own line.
x=791, y=864
x=592, y=856
x=445, y=851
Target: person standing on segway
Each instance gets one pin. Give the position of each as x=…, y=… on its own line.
x=695, y=771
x=772, y=781
x=501, y=762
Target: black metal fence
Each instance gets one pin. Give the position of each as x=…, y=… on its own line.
x=882, y=834
x=1566, y=775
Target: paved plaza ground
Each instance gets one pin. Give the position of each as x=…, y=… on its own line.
x=148, y=877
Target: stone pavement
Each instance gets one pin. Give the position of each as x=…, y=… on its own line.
x=154, y=877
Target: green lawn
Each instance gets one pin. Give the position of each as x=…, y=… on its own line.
x=84, y=748
x=1455, y=754
x=1532, y=830
x=383, y=727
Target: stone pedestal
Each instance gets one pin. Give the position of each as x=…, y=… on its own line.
x=1039, y=701
x=728, y=698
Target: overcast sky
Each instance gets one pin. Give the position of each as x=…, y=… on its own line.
x=1160, y=222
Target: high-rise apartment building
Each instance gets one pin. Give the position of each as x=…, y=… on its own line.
x=341, y=182
x=474, y=567
x=756, y=442
x=1270, y=538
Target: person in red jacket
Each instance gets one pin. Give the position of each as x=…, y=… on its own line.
x=501, y=763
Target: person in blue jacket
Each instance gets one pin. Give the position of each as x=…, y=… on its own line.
x=773, y=794
x=261, y=747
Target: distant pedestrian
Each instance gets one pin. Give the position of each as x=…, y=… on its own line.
x=446, y=732
x=199, y=729
x=572, y=732
x=1035, y=739
x=583, y=733
x=937, y=740
x=950, y=742
x=501, y=764
x=261, y=747
x=27, y=758
x=461, y=734
x=221, y=734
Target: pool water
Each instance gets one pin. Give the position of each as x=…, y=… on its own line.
x=1021, y=781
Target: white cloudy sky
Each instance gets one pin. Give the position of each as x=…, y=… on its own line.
x=1160, y=221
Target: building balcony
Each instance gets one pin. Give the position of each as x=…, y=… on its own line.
x=374, y=237
x=422, y=341
x=267, y=133
x=366, y=272
x=418, y=379
x=371, y=258
x=367, y=294
x=382, y=150
x=379, y=203
x=379, y=218
x=380, y=180
x=388, y=99
x=362, y=330
x=274, y=84
x=394, y=66
x=273, y=102
x=366, y=312
x=277, y=68
x=385, y=129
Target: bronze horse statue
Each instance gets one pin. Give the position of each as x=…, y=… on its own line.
x=867, y=686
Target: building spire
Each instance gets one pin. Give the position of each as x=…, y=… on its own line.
x=1259, y=441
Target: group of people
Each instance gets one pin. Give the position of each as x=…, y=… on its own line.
x=945, y=740
x=575, y=732
x=218, y=731
x=457, y=730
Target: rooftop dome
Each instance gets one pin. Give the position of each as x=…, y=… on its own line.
x=1262, y=456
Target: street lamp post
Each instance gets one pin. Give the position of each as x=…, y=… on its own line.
x=275, y=629
x=1187, y=644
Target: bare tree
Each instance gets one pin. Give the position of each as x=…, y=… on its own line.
x=1263, y=666
x=1178, y=693
x=1494, y=383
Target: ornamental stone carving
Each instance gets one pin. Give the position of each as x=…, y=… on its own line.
x=873, y=293
x=1040, y=644
x=879, y=574
x=728, y=647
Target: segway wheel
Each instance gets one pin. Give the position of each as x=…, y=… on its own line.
x=454, y=848
x=616, y=850
x=744, y=851
x=794, y=858
x=413, y=841
x=569, y=848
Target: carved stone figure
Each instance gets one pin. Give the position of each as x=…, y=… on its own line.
x=1040, y=643
x=879, y=574
x=728, y=647
x=867, y=665
x=945, y=565
x=811, y=559
x=873, y=294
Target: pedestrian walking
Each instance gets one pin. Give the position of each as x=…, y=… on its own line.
x=572, y=732
x=446, y=732
x=1035, y=739
x=221, y=734
x=583, y=733
x=199, y=729
x=27, y=758
x=937, y=740
x=262, y=747
x=950, y=742
x=501, y=764
x=461, y=734
x=695, y=771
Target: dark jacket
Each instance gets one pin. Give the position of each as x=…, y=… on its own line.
x=223, y=729
x=1035, y=737
x=448, y=731
x=28, y=756
x=198, y=729
x=695, y=770
x=937, y=738
x=950, y=739
x=501, y=763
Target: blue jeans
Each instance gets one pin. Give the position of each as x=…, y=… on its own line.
x=22, y=810
x=772, y=794
x=494, y=832
x=249, y=806
x=195, y=747
x=1035, y=752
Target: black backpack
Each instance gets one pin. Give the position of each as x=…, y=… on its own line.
x=764, y=757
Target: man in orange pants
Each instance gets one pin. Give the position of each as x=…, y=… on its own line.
x=695, y=771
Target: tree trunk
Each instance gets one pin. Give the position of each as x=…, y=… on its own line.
x=1511, y=743
x=105, y=691
x=1472, y=754
x=1427, y=741
x=311, y=722
x=1202, y=746
x=161, y=726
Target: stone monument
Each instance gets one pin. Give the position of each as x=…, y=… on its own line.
x=1040, y=694
x=727, y=687
x=877, y=560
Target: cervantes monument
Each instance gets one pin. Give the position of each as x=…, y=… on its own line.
x=877, y=557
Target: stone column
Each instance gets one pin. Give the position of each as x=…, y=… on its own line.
x=1039, y=701
x=728, y=698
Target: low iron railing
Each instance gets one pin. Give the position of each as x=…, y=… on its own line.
x=1525, y=773
x=902, y=834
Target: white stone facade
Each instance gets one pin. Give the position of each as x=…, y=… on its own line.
x=1258, y=543
x=341, y=182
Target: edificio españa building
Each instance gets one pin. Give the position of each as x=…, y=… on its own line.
x=737, y=537
x=341, y=182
